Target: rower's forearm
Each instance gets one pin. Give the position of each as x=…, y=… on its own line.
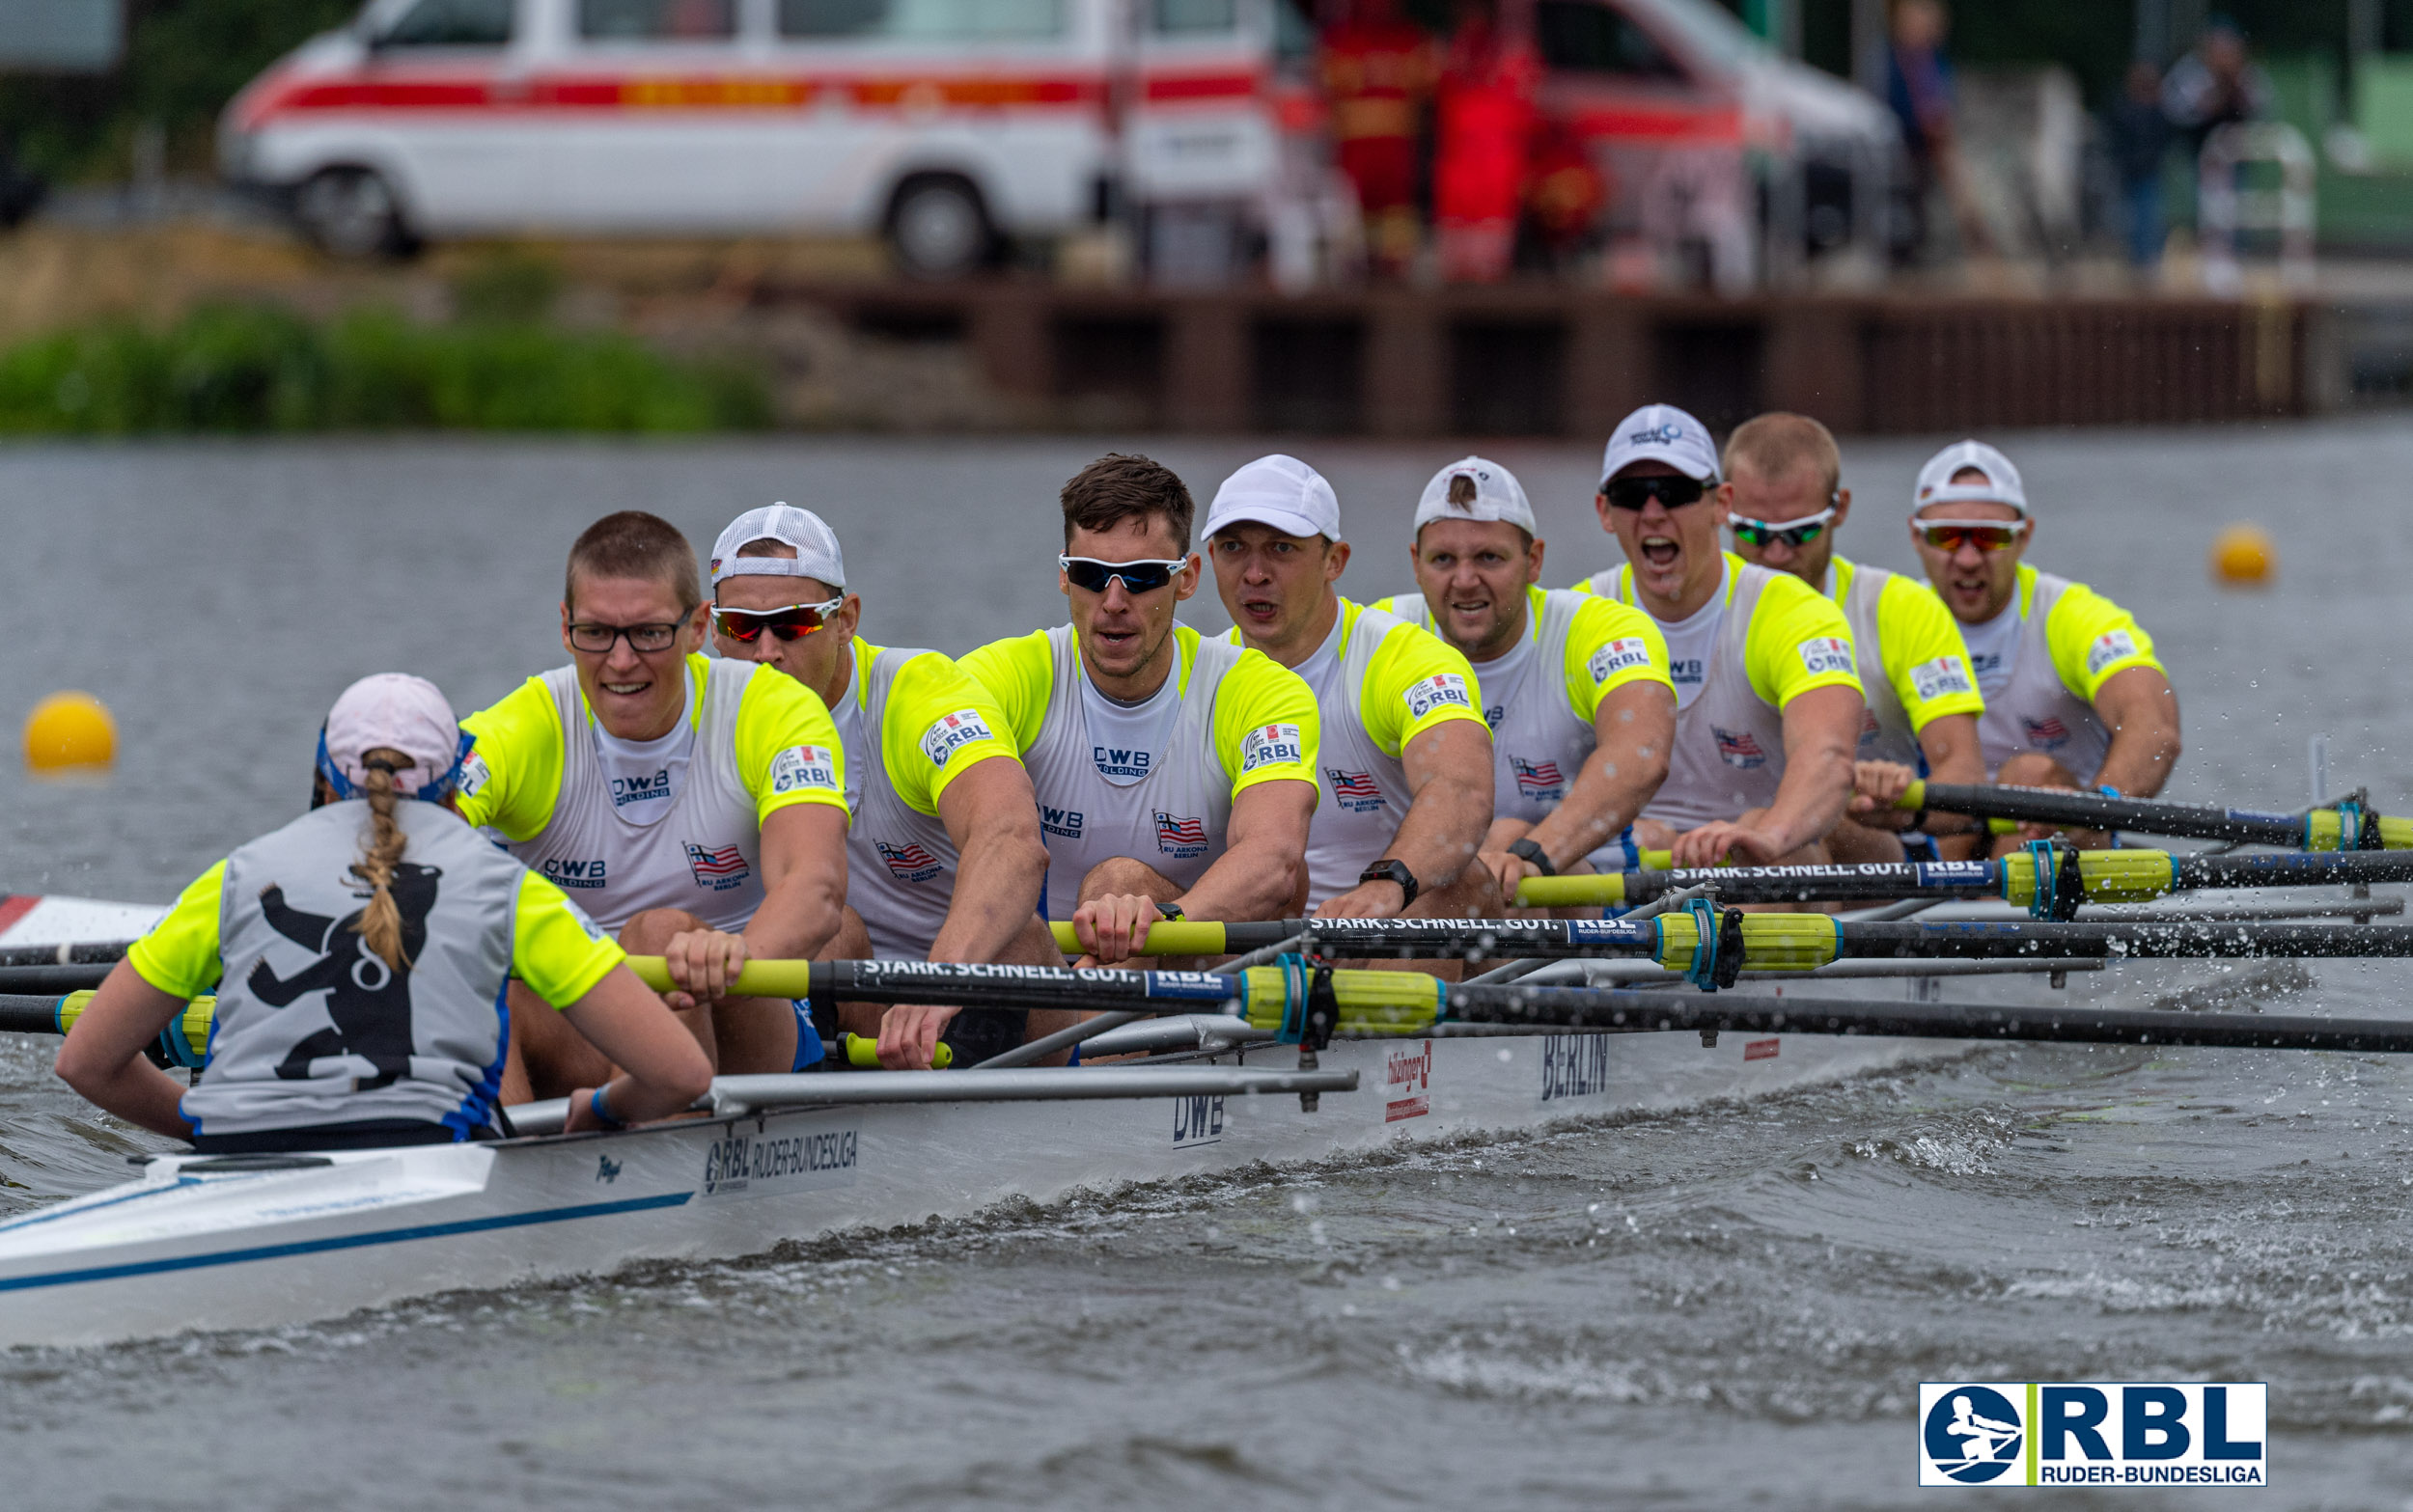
x=795, y=921
x=2139, y=762
x=1813, y=794
x=140, y=1093
x=1254, y=882
x=1607, y=796
x=998, y=881
x=1443, y=830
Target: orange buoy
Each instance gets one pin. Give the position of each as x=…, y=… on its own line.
x=2244, y=556
x=70, y=732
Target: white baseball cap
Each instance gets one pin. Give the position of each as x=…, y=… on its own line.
x=1661, y=433
x=2002, y=483
x=1279, y=492
x=816, y=545
x=1498, y=496
x=398, y=711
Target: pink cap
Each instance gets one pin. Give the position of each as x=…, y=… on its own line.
x=396, y=711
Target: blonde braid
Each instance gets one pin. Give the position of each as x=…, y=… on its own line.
x=380, y=925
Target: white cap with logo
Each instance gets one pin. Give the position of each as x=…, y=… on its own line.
x=1661, y=433
x=1279, y=492
x=1497, y=496
x=396, y=712
x=2002, y=483
x=815, y=546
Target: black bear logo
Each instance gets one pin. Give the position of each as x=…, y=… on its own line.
x=369, y=1000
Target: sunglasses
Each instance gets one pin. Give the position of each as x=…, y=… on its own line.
x=746, y=625
x=1949, y=536
x=1636, y=493
x=1799, y=534
x=1091, y=575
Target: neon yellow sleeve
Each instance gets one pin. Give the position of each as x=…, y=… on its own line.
x=2092, y=638
x=1610, y=644
x=556, y=949
x=1799, y=641
x=1923, y=656
x=1018, y=675
x=1414, y=681
x=179, y=956
x=788, y=749
x=1267, y=729
x=512, y=776
x=938, y=722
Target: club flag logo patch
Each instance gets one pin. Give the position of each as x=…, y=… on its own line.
x=1271, y=745
x=1943, y=678
x=1739, y=748
x=1624, y=652
x=2108, y=647
x=799, y=767
x=1826, y=654
x=1539, y=781
x=2048, y=734
x=952, y=733
x=909, y=861
x=1441, y=690
x=1355, y=792
x=718, y=870
x=1180, y=837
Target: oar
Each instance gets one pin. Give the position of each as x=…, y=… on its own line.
x=2322, y=829
x=2103, y=876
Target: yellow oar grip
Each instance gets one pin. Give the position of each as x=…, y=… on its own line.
x=758, y=979
x=862, y=1052
x=1914, y=796
x=1382, y=1002
x=1173, y=937
x=1606, y=889
x=193, y=1024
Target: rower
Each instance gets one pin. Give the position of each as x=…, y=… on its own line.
x=943, y=857
x=697, y=808
x=1405, y=751
x=2075, y=695
x=1784, y=502
x=1768, y=708
x=370, y=939
x=1173, y=772
x=1575, y=687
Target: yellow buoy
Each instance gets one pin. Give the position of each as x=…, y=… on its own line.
x=70, y=731
x=2244, y=556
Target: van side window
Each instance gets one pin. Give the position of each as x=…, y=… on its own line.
x=928, y=20
x=657, y=21
x=1182, y=17
x=452, y=23
x=1585, y=36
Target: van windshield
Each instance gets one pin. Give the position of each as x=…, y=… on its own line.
x=1708, y=29
x=937, y=20
x=451, y=23
x=657, y=21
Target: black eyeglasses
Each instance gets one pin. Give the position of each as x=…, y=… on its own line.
x=598, y=638
x=1091, y=575
x=1636, y=493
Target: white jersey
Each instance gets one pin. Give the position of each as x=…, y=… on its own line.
x=2028, y=707
x=704, y=856
x=1539, y=743
x=1172, y=819
x=1885, y=732
x=900, y=864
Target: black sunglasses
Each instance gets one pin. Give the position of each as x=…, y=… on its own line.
x=1636, y=493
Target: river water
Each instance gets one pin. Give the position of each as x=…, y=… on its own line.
x=1726, y=1306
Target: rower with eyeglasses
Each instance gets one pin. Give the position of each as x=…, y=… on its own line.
x=1176, y=774
x=2075, y=693
x=1784, y=502
x=1768, y=698
x=943, y=858
x=696, y=809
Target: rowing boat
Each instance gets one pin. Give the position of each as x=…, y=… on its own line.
x=231, y=1242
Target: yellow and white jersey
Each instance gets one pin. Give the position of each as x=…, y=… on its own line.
x=1913, y=667
x=2039, y=664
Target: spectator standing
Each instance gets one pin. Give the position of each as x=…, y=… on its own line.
x=1379, y=69
x=1484, y=128
x=1919, y=87
x=2215, y=85
x=2138, y=133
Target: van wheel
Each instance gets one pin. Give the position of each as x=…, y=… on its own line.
x=353, y=213
x=937, y=227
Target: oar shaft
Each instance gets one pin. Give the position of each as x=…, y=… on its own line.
x=2320, y=829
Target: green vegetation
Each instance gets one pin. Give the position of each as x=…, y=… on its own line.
x=249, y=368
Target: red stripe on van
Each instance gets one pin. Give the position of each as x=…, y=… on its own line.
x=1642, y=122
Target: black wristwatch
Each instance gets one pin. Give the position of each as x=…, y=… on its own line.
x=1392, y=870
x=1526, y=850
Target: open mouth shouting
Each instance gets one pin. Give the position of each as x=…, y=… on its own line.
x=1661, y=551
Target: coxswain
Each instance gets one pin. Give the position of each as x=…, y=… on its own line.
x=697, y=809
x=1784, y=502
x=1405, y=756
x=1768, y=706
x=2074, y=695
x=943, y=857
x=1176, y=774
x=372, y=937
x=1574, y=686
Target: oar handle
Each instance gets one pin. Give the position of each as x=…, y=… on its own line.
x=862, y=1052
x=1172, y=937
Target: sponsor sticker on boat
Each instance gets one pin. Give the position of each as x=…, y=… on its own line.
x=952, y=733
x=1574, y=1065
x=1407, y=1082
x=746, y=1163
x=799, y=767
x=2093, y=1432
x=1197, y=1120
x=1441, y=690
